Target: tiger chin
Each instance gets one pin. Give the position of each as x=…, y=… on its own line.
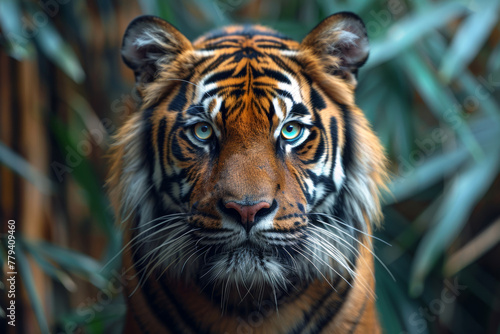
x=247, y=181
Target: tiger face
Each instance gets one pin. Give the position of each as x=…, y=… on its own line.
x=248, y=165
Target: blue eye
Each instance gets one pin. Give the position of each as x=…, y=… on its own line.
x=291, y=131
x=203, y=131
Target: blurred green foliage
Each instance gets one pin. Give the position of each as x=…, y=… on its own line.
x=431, y=91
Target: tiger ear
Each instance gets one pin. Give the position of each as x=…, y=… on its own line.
x=341, y=42
x=150, y=42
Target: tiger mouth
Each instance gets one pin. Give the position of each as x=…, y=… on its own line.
x=247, y=264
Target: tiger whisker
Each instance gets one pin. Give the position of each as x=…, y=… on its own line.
x=350, y=226
x=353, y=274
x=128, y=244
x=353, y=250
x=319, y=271
x=196, y=251
x=362, y=244
x=163, y=244
x=173, y=216
x=344, y=242
x=328, y=265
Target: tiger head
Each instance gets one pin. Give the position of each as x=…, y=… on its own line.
x=248, y=163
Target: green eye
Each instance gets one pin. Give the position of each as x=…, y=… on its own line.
x=203, y=131
x=291, y=131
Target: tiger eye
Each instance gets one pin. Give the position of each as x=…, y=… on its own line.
x=203, y=131
x=291, y=131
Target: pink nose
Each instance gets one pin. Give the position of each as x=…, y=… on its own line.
x=247, y=212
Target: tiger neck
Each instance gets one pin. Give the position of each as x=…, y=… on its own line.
x=167, y=305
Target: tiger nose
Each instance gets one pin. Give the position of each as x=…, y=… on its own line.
x=247, y=213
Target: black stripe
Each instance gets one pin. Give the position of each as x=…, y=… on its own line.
x=314, y=309
x=284, y=93
x=187, y=319
x=318, y=103
x=279, y=61
x=348, y=153
x=176, y=147
x=195, y=110
x=275, y=43
x=158, y=311
x=335, y=140
x=320, y=148
x=275, y=75
x=162, y=129
x=247, y=32
x=272, y=46
x=347, y=157
x=226, y=40
x=214, y=65
x=148, y=147
x=179, y=101
x=332, y=308
x=300, y=110
x=303, y=187
x=358, y=318
x=220, y=76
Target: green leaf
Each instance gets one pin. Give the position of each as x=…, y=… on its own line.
x=469, y=38
x=410, y=29
x=110, y=314
x=19, y=45
x=162, y=9
x=54, y=47
x=25, y=272
x=493, y=65
x=216, y=11
x=50, y=269
x=23, y=168
x=72, y=261
x=466, y=190
x=418, y=176
x=440, y=100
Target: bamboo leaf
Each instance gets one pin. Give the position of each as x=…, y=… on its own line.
x=493, y=65
x=24, y=169
x=469, y=38
x=417, y=176
x=467, y=188
x=410, y=29
x=54, y=47
x=25, y=272
x=72, y=261
x=50, y=269
x=440, y=100
x=19, y=46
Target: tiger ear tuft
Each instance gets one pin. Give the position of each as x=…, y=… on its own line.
x=149, y=42
x=342, y=35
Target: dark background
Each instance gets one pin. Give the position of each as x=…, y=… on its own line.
x=430, y=89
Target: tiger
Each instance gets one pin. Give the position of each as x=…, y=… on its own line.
x=247, y=181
